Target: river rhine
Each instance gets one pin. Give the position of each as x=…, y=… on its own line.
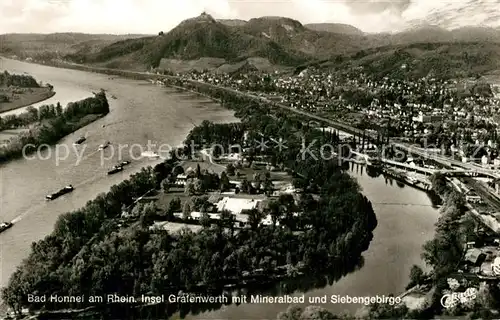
x=143, y=112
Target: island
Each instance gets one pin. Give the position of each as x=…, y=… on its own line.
x=17, y=91
x=47, y=125
x=206, y=220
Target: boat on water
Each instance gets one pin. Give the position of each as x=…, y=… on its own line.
x=104, y=145
x=5, y=225
x=115, y=169
x=150, y=154
x=124, y=163
x=57, y=194
x=80, y=140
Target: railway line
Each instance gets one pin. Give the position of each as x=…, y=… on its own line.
x=484, y=193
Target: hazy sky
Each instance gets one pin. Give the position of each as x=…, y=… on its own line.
x=151, y=16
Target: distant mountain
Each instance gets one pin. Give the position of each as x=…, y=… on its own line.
x=423, y=34
x=434, y=34
x=290, y=33
x=335, y=28
x=203, y=43
x=192, y=39
x=424, y=59
x=476, y=34
x=56, y=44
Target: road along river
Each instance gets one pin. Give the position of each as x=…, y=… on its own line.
x=145, y=112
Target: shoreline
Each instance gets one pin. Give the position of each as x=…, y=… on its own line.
x=83, y=122
x=59, y=128
x=202, y=95
x=37, y=98
x=135, y=74
x=153, y=75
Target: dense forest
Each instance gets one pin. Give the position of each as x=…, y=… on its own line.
x=89, y=253
x=49, y=124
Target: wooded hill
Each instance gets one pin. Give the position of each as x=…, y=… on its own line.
x=208, y=43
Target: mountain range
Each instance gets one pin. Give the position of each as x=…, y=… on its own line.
x=206, y=43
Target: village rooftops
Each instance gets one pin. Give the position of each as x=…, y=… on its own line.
x=471, y=195
x=474, y=256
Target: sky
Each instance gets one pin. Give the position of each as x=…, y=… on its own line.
x=152, y=16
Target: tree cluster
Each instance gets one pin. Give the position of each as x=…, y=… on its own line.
x=58, y=124
x=88, y=254
x=17, y=80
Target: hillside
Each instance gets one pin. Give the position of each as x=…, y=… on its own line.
x=203, y=43
x=192, y=39
x=290, y=33
x=232, y=22
x=426, y=59
x=55, y=44
x=334, y=28
x=435, y=34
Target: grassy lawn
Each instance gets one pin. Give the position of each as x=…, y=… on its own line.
x=204, y=165
x=249, y=172
x=173, y=227
x=278, y=177
x=30, y=96
x=165, y=198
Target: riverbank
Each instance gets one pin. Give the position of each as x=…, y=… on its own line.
x=351, y=237
x=406, y=215
x=56, y=125
x=34, y=95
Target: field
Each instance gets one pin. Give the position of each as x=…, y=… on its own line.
x=205, y=164
x=165, y=198
x=28, y=97
x=280, y=180
x=173, y=227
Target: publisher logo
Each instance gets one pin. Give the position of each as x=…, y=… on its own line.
x=450, y=300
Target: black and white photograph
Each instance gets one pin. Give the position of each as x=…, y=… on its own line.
x=249, y=159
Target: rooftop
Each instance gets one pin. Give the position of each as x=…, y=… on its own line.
x=236, y=205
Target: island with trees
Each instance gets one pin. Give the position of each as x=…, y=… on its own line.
x=17, y=91
x=48, y=124
x=114, y=245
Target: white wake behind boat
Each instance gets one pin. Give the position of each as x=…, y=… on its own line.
x=150, y=154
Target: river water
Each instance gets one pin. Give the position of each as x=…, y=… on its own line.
x=145, y=112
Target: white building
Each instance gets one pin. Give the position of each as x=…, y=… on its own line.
x=268, y=221
x=472, y=197
x=485, y=160
x=496, y=162
x=237, y=205
x=233, y=157
x=495, y=266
